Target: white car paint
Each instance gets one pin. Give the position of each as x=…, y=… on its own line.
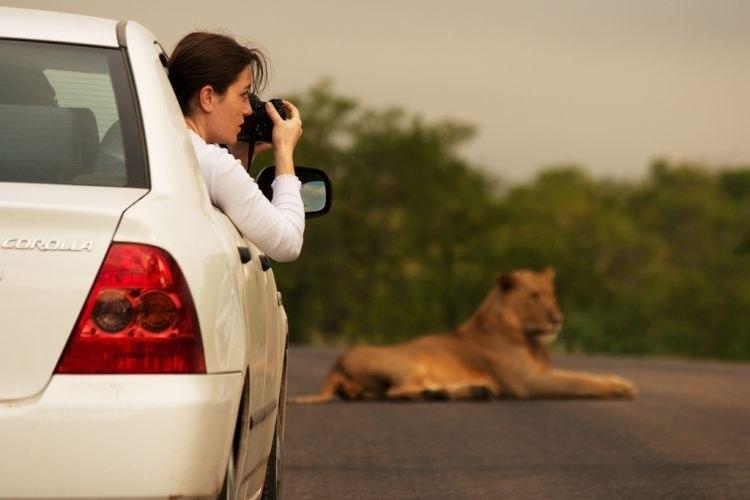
x=24, y=24
x=114, y=436
x=30, y=289
x=131, y=436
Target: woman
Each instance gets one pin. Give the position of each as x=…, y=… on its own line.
x=212, y=76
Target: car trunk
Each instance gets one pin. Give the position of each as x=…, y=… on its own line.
x=53, y=239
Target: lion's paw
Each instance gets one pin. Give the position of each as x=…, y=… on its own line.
x=620, y=387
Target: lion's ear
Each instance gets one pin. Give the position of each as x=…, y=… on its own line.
x=506, y=282
x=549, y=273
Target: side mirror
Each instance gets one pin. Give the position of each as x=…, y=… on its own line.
x=317, y=193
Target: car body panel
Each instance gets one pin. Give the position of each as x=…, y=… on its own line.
x=24, y=24
x=120, y=436
x=52, y=242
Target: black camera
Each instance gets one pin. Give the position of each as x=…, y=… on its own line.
x=258, y=127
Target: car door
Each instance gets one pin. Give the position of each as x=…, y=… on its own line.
x=274, y=334
x=252, y=296
x=257, y=334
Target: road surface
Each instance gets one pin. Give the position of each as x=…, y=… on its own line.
x=686, y=435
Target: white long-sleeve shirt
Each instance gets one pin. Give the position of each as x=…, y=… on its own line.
x=274, y=227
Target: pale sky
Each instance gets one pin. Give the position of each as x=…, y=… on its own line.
x=608, y=84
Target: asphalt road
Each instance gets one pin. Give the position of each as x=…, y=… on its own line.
x=687, y=435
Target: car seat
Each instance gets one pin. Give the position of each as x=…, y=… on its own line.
x=40, y=141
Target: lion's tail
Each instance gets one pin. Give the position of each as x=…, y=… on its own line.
x=332, y=384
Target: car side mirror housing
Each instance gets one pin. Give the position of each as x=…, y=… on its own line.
x=317, y=193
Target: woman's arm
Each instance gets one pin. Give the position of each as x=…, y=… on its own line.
x=276, y=228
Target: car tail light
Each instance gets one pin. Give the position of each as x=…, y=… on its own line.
x=138, y=318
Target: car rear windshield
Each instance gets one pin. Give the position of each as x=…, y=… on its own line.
x=67, y=116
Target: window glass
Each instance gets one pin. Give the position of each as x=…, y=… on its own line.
x=75, y=89
x=67, y=116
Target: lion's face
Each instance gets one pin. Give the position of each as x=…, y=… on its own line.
x=530, y=298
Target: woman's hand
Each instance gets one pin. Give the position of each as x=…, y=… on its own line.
x=286, y=134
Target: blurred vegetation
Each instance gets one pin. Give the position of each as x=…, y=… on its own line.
x=417, y=233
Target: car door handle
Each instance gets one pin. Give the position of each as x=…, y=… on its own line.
x=265, y=262
x=245, y=255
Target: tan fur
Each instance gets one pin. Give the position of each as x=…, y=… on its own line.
x=500, y=351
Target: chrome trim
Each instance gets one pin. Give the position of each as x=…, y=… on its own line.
x=49, y=245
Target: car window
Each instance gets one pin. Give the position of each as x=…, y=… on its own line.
x=78, y=89
x=67, y=116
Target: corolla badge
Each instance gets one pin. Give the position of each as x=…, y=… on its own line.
x=50, y=245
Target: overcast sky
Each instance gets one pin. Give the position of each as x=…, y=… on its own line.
x=608, y=84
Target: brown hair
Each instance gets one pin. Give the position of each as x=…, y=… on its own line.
x=201, y=59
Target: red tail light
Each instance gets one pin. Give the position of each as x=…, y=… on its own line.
x=138, y=318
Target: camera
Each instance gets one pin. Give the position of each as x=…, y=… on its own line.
x=258, y=127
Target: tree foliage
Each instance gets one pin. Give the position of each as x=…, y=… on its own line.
x=417, y=234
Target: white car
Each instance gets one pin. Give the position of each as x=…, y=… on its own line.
x=142, y=339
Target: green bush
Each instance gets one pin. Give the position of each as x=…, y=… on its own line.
x=418, y=233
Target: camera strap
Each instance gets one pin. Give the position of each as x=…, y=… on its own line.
x=250, y=150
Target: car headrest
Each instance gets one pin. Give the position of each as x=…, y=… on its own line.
x=87, y=137
x=19, y=85
x=45, y=143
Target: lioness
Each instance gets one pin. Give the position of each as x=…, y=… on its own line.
x=500, y=351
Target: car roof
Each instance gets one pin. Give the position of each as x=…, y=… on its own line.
x=27, y=24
